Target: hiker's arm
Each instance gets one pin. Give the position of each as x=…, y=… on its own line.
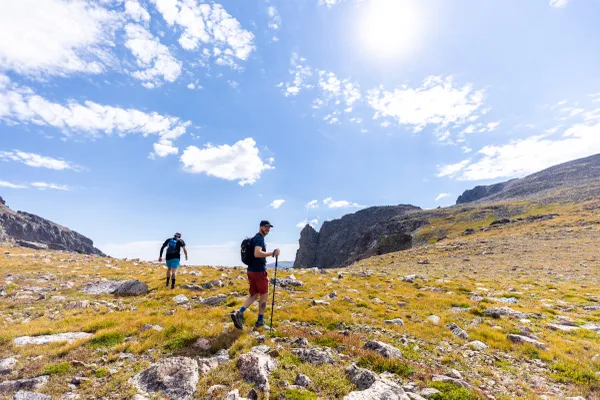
x=185, y=252
x=258, y=253
x=161, y=250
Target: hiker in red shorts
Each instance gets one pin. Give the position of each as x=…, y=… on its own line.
x=257, y=278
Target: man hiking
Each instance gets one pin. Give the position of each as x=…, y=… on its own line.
x=174, y=246
x=258, y=279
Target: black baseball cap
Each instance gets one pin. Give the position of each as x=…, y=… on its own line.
x=265, y=223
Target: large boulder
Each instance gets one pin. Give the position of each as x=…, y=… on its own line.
x=24, y=384
x=255, y=367
x=372, y=387
x=131, y=287
x=384, y=349
x=313, y=356
x=174, y=377
x=69, y=337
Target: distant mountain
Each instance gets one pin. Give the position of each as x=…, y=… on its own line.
x=281, y=264
x=368, y=232
x=583, y=174
x=29, y=230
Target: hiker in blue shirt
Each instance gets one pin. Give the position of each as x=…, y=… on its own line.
x=174, y=246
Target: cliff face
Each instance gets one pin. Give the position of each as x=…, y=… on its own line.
x=369, y=232
x=30, y=230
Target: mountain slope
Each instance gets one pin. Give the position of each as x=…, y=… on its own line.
x=29, y=230
x=573, y=174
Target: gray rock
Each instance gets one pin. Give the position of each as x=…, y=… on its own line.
x=30, y=396
x=149, y=327
x=206, y=364
x=373, y=387
x=7, y=365
x=457, y=331
x=287, y=282
x=255, y=367
x=235, y=395
x=477, y=345
x=361, y=377
x=563, y=328
x=320, y=303
x=434, y=319
x=414, y=396
x=498, y=312
x=591, y=327
x=384, y=349
x=302, y=381
x=174, y=377
x=78, y=304
x=214, y=300
x=132, y=287
x=300, y=342
x=45, y=339
x=429, y=392
x=313, y=356
x=457, y=382
x=592, y=308
x=181, y=299
x=524, y=339
x=395, y=321
x=24, y=384
x=505, y=300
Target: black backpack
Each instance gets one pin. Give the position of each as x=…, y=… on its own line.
x=247, y=251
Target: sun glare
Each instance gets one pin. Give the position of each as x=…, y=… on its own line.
x=390, y=28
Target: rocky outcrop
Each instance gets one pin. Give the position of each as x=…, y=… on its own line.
x=31, y=231
x=175, y=377
x=366, y=233
x=582, y=174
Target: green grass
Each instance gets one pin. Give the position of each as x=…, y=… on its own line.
x=101, y=373
x=107, y=340
x=450, y=391
x=99, y=325
x=380, y=364
x=179, y=337
x=57, y=369
x=292, y=394
x=326, y=342
x=575, y=373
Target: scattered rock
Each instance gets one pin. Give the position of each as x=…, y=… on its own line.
x=77, y=304
x=505, y=300
x=434, y=319
x=174, y=377
x=563, y=328
x=524, y=339
x=202, y=344
x=255, y=367
x=591, y=327
x=320, y=303
x=477, y=345
x=302, y=381
x=498, y=312
x=372, y=387
x=214, y=300
x=181, y=299
x=206, y=364
x=131, y=287
x=395, y=321
x=45, y=339
x=30, y=396
x=384, y=349
x=457, y=381
x=24, y=384
x=313, y=356
x=429, y=392
x=300, y=342
x=592, y=308
x=148, y=327
x=7, y=365
x=286, y=282
x=457, y=331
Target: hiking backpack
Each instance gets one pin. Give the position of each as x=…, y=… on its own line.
x=172, y=246
x=247, y=251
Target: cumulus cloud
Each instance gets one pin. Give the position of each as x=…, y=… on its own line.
x=442, y=196
x=208, y=28
x=136, y=12
x=56, y=37
x=276, y=204
x=329, y=3
x=329, y=202
x=559, y=3
x=452, y=169
x=239, y=162
x=303, y=223
x=154, y=59
x=437, y=102
x=301, y=73
x=37, y=161
x=21, y=105
x=53, y=186
x=11, y=185
x=274, y=18
x=312, y=204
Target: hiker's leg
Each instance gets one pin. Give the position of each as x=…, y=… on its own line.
x=168, y=275
x=250, y=300
x=262, y=306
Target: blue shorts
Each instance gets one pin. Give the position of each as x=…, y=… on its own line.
x=174, y=263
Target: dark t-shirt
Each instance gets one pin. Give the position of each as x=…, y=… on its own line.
x=258, y=264
x=173, y=252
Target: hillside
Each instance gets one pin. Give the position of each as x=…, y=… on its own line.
x=29, y=230
x=500, y=309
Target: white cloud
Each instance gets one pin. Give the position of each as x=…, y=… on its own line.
x=329, y=3
x=329, y=202
x=191, y=86
x=37, y=161
x=274, y=18
x=233, y=84
x=44, y=186
x=452, y=169
x=155, y=59
x=492, y=126
x=303, y=223
x=208, y=27
x=20, y=105
x=239, y=162
x=136, y=11
x=442, y=196
x=313, y=204
x=10, y=185
x=466, y=149
x=276, y=204
x=522, y=157
x=56, y=37
x=558, y=3
x=301, y=73
x=437, y=102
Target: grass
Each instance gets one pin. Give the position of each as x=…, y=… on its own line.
x=380, y=364
x=450, y=391
x=107, y=340
x=57, y=369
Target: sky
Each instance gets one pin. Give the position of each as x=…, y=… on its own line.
x=129, y=120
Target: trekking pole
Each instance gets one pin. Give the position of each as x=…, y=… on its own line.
x=274, y=287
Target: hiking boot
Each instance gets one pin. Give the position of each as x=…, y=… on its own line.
x=261, y=325
x=238, y=319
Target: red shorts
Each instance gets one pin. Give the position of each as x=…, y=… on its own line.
x=259, y=282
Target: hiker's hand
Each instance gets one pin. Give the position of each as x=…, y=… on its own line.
x=276, y=252
x=160, y=259
x=186, y=258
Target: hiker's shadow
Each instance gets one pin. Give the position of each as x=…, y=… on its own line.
x=205, y=347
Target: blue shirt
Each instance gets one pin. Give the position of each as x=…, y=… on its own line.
x=258, y=264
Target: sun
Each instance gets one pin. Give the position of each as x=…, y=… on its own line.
x=390, y=28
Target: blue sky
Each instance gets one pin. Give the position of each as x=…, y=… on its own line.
x=130, y=120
